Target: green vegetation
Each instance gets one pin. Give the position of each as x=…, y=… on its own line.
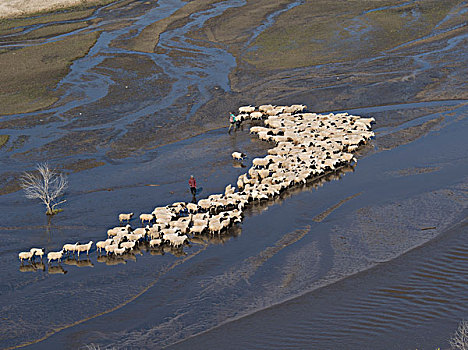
x=18, y=143
x=3, y=140
x=15, y=25
x=83, y=164
x=51, y=31
x=9, y=183
x=78, y=11
x=35, y=70
x=312, y=34
x=54, y=211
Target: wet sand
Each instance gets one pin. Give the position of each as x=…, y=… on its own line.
x=143, y=104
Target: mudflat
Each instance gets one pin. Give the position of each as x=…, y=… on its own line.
x=130, y=98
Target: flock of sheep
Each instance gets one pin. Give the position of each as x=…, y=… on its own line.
x=307, y=146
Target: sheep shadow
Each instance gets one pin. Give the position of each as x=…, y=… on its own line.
x=32, y=267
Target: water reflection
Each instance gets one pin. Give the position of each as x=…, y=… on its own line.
x=156, y=250
x=258, y=207
x=79, y=263
x=57, y=270
x=111, y=260
x=32, y=267
x=237, y=164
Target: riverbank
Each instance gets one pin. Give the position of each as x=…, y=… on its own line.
x=10, y=9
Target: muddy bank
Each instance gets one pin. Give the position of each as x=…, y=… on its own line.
x=142, y=102
x=147, y=97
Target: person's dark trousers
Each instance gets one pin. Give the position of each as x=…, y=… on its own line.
x=193, y=190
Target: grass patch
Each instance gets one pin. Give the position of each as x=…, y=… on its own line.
x=34, y=15
x=54, y=211
x=82, y=164
x=3, y=140
x=50, y=31
x=10, y=25
x=33, y=72
x=324, y=31
x=9, y=183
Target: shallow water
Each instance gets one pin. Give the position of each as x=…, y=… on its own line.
x=348, y=261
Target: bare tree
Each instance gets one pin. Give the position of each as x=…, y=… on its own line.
x=46, y=185
x=459, y=340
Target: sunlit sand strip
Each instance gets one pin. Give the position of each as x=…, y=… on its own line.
x=15, y=8
x=323, y=215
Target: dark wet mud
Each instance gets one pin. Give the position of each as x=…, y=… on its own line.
x=139, y=101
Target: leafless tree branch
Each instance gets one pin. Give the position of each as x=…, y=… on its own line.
x=45, y=184
x=459, y=340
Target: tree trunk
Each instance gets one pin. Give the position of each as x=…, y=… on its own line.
x=49, y=210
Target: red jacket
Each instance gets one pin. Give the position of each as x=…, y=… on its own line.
x=192, y=182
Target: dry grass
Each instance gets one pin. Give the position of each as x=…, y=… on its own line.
x=33, y=72
x=313, y=34
x=3, y=140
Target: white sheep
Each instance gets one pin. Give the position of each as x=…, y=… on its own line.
x=102, y=244
x=141, y=230
x=198, y=229
x=119, y=251
x=134, y=237
x=192, y=207
x=265, y=108
x=167, y=237
x=260, y=162
x=163, y=221
x=229, y=190
x=155, y=242
x=348, y=157
x=215, y=226
x=70, y=247
x=246, y=109
x=125, y=217
x=179, y=240
x=116, y=230
x=118, y=239
x=238, y=155
x=54, y=256
x=257, y=129
x=37, y=252
x=110, y=248
x=256, y=115
x=182, y=225
x=25, y=255
x=205, y=204
x=146, y=217
x=263, y=173
x=128, y=245
x=153, y=234
x=84, y=248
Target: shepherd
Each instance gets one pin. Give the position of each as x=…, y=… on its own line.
x=232, y=121
x=193, y=185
